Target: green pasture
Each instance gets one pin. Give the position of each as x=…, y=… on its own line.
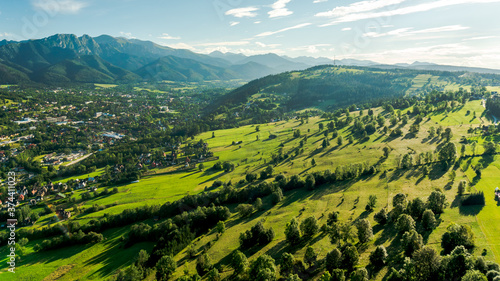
x=82, y=262
x=252, y=152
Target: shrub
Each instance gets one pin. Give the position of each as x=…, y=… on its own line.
x=309, y=227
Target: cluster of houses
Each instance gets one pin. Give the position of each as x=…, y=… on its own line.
x=62, y=214
x=57, y=159
x=39, y=193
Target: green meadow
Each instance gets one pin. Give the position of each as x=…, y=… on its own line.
x=251, y=152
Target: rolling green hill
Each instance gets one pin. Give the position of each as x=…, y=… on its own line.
x=331, y=87
x=255, y=151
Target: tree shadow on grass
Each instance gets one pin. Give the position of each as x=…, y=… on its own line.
x=52, y=255
x=470, y=210
x=191, y=174
x=314, y=153
x=420, y=179
x=388, y=232
x=394, y=252
x=213, y=178
x=398, y=173
x=294, y=196
x=437, y=171
x=363, y=215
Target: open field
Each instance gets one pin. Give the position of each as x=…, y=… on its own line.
x=105, y=86
x=83, y=262
x=252, y=155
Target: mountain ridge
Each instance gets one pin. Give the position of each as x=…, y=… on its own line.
x=61, y=58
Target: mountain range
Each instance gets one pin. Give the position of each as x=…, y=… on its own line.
x=67, y=58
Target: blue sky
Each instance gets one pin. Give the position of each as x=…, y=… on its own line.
x=457, y=32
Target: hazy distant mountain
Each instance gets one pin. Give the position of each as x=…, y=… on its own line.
x=310, y=60
x=69, y=58
x=252, y=70
x=181, y=69
x=275, y=61
x=230, y=57
x=354, y=62
x=432, y=66
x=148, y=49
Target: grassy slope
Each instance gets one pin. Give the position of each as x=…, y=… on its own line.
x=83, y=262
x=159, y=188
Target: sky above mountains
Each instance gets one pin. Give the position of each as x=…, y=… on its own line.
x=456, y=32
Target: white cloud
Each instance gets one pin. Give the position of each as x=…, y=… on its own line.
x=312, y=49
x=243, y=12
x=452, y=54
x=127, y=35
x=346, y=29
x=228, y=43
x=279, y=9
x=396, y=32
x=355, y=13
x=319, y=1
x=233, y=23
x=269, y=33
x=180, y=46
x=251, y=52
x=6, y=34
x=257, y=22
x=168, y=37
x=359, y=7
x=480, y=38
x=262, y=45
x=54, y=7
x=408, y=31
x=441, y=29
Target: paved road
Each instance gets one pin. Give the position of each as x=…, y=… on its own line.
x=78, y=160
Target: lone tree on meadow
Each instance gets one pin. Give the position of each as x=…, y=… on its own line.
x=292, y=232
x=436, y=202
x=365, y=231
x=461, y=187
x=448, y=152
x=309, y=227
x=428, y=220
x=372, y=201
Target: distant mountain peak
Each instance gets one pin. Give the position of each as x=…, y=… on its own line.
x=422, y=63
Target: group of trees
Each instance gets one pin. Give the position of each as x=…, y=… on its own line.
x=257, y=235
x=64, y=240
x=306, y=230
